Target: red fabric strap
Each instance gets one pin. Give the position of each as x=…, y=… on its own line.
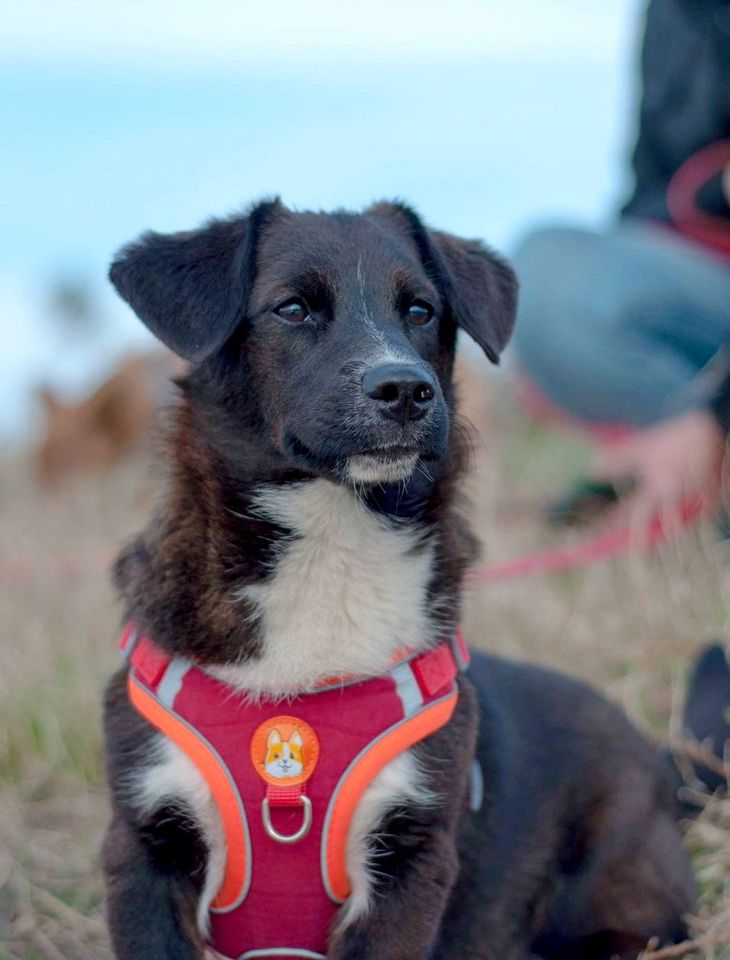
x=434, y=670
x=149, y=661
x=128, y=638
x=284, y=796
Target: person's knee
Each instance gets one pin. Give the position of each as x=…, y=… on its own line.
x=550, y=296
x=546, y=255
x=571, y=291
x=592, y=326
x=567, y=314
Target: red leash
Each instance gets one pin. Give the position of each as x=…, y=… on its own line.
x=688, y=216
x=590, y=551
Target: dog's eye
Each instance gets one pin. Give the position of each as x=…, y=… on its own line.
x=419, y=313
x=294, y=310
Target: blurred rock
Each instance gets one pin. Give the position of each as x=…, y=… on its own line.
x=116, y=420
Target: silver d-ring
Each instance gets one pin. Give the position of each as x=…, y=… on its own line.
x=291, y=837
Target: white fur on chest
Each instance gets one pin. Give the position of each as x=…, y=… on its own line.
x=347, y=593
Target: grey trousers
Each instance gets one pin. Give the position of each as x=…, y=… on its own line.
x=624, y=327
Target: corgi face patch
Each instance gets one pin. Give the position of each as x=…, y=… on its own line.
x=284, y=757
x=284, y=751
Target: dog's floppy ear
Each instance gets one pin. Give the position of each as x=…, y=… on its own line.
x=479, y=286
x=190, y=288
x=484, y=291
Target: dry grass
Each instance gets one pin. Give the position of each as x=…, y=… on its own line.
x=629, y=625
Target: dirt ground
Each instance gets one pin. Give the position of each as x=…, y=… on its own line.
x=629, y=625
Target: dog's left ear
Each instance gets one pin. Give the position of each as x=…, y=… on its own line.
x=479, y=286
x=483, y=291
x=191, y=288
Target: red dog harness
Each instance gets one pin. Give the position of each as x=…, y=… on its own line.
x=287, y=782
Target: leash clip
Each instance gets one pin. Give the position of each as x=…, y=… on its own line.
x=290, y=837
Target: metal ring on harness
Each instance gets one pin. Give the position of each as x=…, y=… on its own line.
x=292, y=837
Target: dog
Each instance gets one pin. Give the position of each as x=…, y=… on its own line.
x=312, y=528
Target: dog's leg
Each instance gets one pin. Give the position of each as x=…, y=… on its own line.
x=153, y=888
x=637, y=885
x=155, y=857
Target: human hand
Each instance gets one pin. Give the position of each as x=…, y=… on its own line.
x=672, y=462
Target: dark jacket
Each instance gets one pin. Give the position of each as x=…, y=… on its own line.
x=685, y=106
x=685, y=76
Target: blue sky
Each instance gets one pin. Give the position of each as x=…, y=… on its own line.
x=488, y=116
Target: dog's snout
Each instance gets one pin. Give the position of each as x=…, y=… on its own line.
x=402, y=391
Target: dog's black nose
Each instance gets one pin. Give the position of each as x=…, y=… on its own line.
x=402, y=391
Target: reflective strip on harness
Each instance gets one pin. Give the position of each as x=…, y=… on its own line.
x=358, y=776
x=172, y=680
x=303, y=774
x=406, y=686
x=128, y=639
x=237, y=877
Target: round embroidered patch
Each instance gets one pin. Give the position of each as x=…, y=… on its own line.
x=284, y=751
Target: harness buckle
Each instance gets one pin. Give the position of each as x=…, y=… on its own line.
x=290, y=837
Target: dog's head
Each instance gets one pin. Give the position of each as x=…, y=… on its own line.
x=330, y=335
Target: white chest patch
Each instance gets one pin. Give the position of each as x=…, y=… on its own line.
x=347, y=594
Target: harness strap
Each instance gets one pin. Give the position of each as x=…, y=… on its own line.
x=284, y=796
x=425, y=685
x=237, y=876
x=360, y=774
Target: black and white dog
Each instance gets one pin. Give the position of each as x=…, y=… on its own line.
x=311, y=527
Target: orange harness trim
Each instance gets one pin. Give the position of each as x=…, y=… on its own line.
x=238, y=874
x=307, y=769
x=360, y=774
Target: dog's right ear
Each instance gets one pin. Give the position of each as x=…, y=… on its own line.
x=191, y=288
x=479, y=286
